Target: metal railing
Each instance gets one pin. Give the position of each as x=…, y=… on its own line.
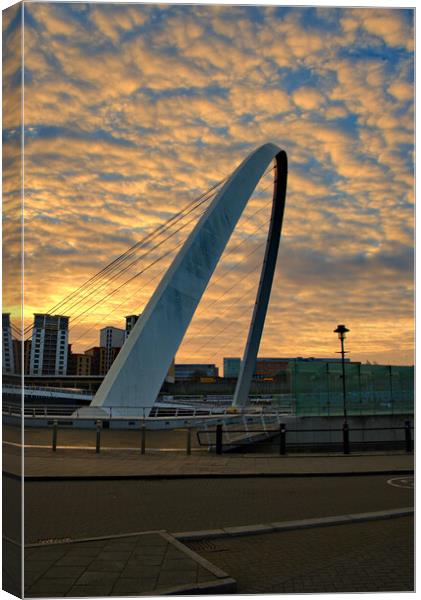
x=282, y=445
x=227, y=435
x=128, y=412
x=35, y=388
x=38, y=410
x=184, y=409
x=238, y=438
x=142, y=440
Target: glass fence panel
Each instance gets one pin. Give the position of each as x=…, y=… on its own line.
x=317, y=389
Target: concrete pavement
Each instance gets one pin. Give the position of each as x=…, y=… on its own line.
x=64, y=463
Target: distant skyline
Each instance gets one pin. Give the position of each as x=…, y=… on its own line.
x=133, y=110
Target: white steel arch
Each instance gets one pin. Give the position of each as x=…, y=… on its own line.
x=135, y=378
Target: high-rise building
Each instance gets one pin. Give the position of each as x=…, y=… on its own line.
x=17, y=353
x=49, y=348
x=8, y=354
x=78, y=364
x=112, y=339
x=130, y=323
x=97, y=356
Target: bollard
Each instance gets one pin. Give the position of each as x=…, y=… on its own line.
x=55, y=427
x=188, y=445
x=345, y=435
x=219, y=439
x=408, y=440
x=98, y=437
x=282, y=439
x=143, y=440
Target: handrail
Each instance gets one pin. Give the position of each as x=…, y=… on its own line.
x=309, y=430
x=252, y=436
x=176, y=409
x=30, y=388
x=234, y=437
x=172, y=412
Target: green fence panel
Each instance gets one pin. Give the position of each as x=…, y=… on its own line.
x=317, y=389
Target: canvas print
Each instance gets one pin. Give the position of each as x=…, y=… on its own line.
x=208, y=299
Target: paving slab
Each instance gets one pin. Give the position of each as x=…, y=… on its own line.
x=150, y=564
x=369, y=556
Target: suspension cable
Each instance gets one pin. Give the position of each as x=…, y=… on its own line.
x=121, y=304
x=123, y=270
x=83, y=300
x=128, y=280
x=230, y=251
x=141, y=243
x=142, y=256
x=117, y=263
x=235, y=301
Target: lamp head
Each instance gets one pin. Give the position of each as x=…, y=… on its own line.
x=341, y=330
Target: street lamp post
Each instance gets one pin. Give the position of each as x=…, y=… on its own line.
x=341, y=330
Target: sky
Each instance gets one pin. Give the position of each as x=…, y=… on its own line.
x=132, y=111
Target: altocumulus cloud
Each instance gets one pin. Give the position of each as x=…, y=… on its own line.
x=132, y=110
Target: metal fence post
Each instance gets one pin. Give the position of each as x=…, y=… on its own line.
x=143, y=440
x=345, y=435
x=98, y=436
x=55, y=427
x=408, y=440
x=282, y=439
x=188, y=441
x=219, y=439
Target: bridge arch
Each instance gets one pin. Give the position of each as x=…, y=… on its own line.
x=135, y=378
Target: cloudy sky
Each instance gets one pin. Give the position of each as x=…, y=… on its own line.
x=132, y=111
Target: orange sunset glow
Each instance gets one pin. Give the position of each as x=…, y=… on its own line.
x=133, y=111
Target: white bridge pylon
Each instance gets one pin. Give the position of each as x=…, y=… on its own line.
x=134, y=380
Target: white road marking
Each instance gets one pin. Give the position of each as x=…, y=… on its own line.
x=402, y=482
